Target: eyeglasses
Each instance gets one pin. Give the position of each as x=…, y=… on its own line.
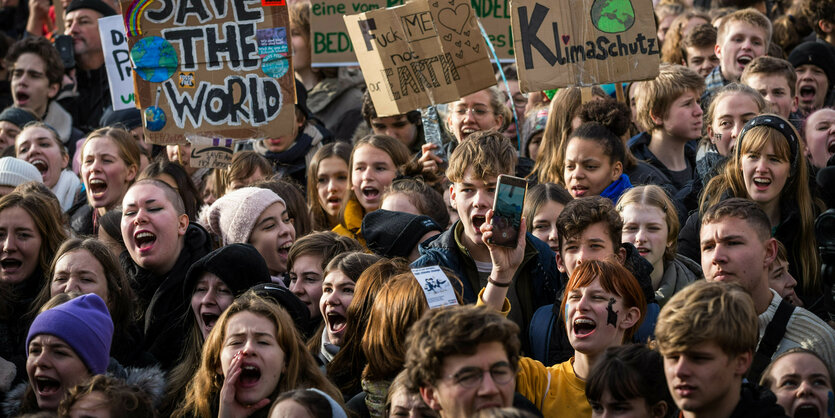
x=471, y=377
x=478, y=112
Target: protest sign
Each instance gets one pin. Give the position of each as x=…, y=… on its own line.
x=421, y=53
x=495, y=17
x=436, y=286
x=210, y=152
x=331, y=45
x=213, y=68
x=114, y=43
x=583, y=42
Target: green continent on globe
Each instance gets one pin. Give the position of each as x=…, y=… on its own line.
x=612, y=16
x=155, y=59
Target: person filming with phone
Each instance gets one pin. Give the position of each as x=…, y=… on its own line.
x=474, y=170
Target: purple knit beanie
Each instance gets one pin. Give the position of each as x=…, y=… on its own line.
x=233, y=216
x=84, y=324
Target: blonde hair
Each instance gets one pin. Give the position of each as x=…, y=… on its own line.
x=796, y=190
x=750, y=16
x=655, y=97
x=708, y=311
x=652, y=195
x=731, y=90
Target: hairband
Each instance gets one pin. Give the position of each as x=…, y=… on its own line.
x=782, y=126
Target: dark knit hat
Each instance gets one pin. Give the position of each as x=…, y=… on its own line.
x=820, y=54
x=96, y=5
x=84, y=324
x=128, y=118
x=290, y=302
x=240, y=266
x=17, y=116
x=395, y=234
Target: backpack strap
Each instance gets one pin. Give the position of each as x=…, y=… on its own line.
x=539, y=332
x=774, y=332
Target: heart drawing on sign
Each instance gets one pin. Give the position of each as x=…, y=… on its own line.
x=448, y=37
x=455, y=19
x=459, y=54
x=466, y=33
x=435, y=4
x=475, y=48
x=458, y=44
x=467, y=43
x=565, y=39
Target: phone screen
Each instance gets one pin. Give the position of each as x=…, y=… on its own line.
x=507, y=210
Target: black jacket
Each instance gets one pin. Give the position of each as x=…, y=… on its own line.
x=161, y=298
x=639, y=145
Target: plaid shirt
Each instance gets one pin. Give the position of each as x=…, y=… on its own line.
x=713, y=82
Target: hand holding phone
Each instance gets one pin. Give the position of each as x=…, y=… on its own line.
x=507, y=210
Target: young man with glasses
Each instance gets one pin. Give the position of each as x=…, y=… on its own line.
x=463, y=359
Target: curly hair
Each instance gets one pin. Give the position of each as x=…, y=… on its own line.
x=121, y=399
x=579, y=214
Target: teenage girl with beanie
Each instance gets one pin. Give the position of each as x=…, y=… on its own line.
x=38, y=143
x=650, y=222
x=328, y=178
x=593, y=163
x=265, y=352
x=767, y=166
x=211, y=285
x=65, y=345
x=374, y=165
x=252, y=215
x=109, y=165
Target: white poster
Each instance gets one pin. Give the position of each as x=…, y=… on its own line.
x=117, y=61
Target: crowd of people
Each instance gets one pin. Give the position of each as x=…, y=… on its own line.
x=667, y=262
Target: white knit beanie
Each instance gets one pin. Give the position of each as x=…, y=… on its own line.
x=233, y=216
x=14, y=172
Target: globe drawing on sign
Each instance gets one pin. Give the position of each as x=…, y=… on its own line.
x=612, y=16
x=154, y=118
x=154, y=59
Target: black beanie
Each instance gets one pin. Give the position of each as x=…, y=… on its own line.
x=815, y=53
x=128, y=118
x=395, y=234
x=17, y=116
x=240, y=266
x=96, y=5
x=290, y=302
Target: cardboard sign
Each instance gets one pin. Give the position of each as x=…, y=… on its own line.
x=424, y=52
x=331, y=45
x=114, y=43
x=583, y=42
x=210, y=152
x=495, y=17
x=213, y=68
x=436, y=286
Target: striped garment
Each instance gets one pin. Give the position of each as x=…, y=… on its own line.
x=804, y=330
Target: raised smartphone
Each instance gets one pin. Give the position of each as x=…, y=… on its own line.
x=63, y=43
x=507, y=210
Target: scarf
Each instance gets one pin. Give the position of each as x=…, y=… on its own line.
x=66, y=189
x=293, y=159
x=614, y=190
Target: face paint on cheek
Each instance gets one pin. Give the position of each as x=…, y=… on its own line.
x=830, y=408
x=612, y=318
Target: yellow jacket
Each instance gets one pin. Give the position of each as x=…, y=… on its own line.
x=556, y=391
